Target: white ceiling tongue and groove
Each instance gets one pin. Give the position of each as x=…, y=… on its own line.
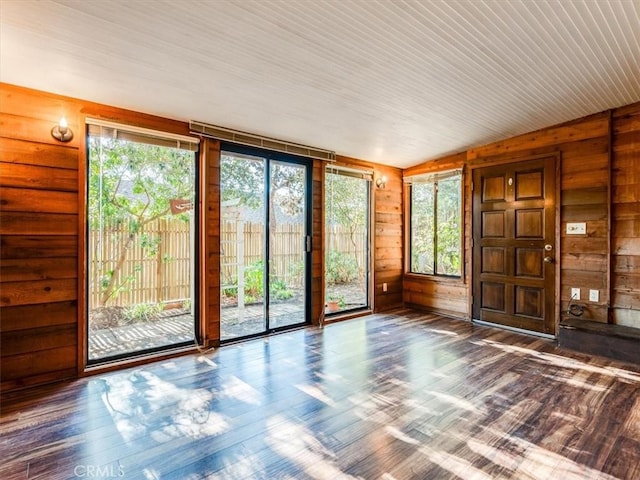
x=396, y=82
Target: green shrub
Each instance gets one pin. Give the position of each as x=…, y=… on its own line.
x=254, y=281
x=142, y=312
x=279, y=290
x=340, y=267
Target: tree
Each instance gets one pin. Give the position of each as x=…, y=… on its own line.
x=131, y=184
x=436, y=227
x=243, y=178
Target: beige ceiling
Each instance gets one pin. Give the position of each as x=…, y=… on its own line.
x=392, y=81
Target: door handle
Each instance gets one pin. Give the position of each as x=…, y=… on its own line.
x=548, y=259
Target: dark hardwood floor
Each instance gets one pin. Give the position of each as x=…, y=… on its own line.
x=403, y=395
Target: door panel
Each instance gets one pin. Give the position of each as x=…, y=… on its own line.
x=264, y=224
x=242, y=256
x=514, y=245
x=287, y=233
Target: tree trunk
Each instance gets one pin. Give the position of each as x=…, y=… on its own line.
x=108, y=292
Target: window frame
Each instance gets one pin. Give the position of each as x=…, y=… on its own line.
x=433, y=178
x=95, y=127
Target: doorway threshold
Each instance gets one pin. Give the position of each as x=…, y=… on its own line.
x=548, y=336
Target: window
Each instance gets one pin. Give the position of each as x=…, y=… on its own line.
x=436, y=219
x=141, y=249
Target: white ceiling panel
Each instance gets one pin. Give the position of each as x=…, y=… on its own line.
x=396, y=82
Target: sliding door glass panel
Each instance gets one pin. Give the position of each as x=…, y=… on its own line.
x=242, y=242
x=263, y=231
x=141, y=244
x=347, y=241
x=287, y=252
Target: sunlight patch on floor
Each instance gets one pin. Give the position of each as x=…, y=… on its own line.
x=455, y=401
x=403, y=437
x=441, y=332
x=316, y=392
x=370, y=407
x=142, y=404
x=301, y=447
x=239, y=390
x=563, y=362
x=529, y=461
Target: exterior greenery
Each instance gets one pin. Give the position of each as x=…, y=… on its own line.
x=346, y=206
x=131, y=184
x=242, y=180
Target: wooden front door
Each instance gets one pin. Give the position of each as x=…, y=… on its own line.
x=514, y=246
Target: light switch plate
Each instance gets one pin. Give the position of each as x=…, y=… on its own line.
x=576, y=228
x=594, y=295
x=575, y=294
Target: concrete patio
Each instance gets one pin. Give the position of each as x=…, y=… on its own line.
x=176, y=327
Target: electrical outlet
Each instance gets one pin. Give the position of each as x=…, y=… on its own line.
x=575, y=294
x=384, y=287
x=594, y=295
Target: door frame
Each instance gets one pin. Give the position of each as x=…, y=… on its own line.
x=557, y=159
x=328, y=317
x=274, y=156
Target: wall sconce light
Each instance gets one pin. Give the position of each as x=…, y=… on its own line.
x=381, y=182
x=62, y=132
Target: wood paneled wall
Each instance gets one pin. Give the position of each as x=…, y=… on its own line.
x=625, y=247
x=388, y=240
x=210, y=243
x=42, y=223
x=317, y=244
x=42, y=203
x=39, y=225
x=597, y=260
x=583, y=146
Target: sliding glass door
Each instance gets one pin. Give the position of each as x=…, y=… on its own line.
x=264, y=228
x=141, y=252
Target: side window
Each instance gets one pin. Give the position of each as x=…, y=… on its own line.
x=436, y=224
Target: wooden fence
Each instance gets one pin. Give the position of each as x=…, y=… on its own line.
x=157, y=267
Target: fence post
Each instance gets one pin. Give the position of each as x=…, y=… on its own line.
x=161, y=230
x=240, y=261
